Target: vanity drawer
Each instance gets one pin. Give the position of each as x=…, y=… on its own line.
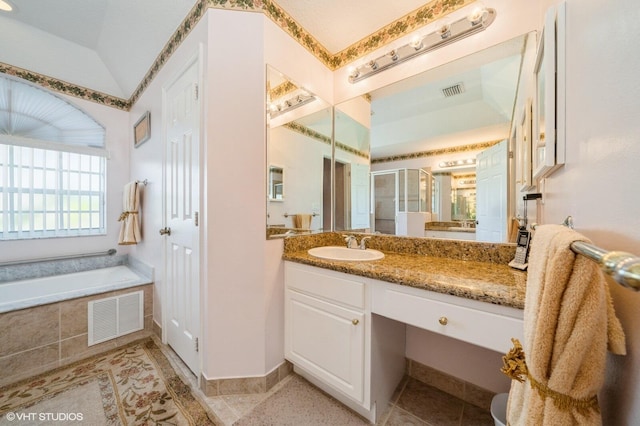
x=328, y=285
x=463, y=319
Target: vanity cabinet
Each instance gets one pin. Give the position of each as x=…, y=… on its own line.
x=334, y=342
x=346, y=333
x=480, y=323
x=325, y=328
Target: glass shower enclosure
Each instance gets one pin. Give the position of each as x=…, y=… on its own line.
x=400, y=201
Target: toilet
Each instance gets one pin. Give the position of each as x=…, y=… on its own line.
x=499, y=409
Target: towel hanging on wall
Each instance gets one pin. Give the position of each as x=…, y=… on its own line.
x=130, y=228
x=301, y=221
x=569, y=324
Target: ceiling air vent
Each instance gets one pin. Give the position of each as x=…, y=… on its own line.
x=456, y=89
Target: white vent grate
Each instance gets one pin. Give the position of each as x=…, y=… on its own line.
x=116, y=316
x=456, y=89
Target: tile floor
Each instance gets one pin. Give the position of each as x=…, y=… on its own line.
x=295, y=402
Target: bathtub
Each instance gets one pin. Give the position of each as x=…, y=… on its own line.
x=39, y=291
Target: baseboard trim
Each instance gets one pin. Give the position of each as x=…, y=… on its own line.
x=245, y=385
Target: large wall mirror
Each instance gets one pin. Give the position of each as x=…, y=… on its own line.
x=442, y=127
x=299, y=158
x=448, y=126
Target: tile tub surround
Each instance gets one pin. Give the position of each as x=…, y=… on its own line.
x=41, y=338
x=45, y=268
x=468, y=269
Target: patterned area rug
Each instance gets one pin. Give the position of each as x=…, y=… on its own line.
x=134, y=385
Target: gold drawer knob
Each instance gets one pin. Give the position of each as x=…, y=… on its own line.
x=443, y=321
x=355, y=321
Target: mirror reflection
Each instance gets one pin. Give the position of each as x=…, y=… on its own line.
x=299, y=127
x=451, y=123
x=352, y=165
x=276, y=183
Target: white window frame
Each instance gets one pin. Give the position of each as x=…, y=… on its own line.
x=74, y=204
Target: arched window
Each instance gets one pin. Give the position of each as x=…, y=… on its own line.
x=52, y=165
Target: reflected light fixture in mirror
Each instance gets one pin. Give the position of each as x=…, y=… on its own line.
x=478, y=20
x=301, y=97
x=458, y=163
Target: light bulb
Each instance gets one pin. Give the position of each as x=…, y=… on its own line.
x=444, y=30
x=416, y=42
x=476, y=16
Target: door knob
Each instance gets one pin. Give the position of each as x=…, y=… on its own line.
x=355, y=321
x=165, y=231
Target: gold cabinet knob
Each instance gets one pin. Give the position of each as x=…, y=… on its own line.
x=443, y=321
x=355, y=321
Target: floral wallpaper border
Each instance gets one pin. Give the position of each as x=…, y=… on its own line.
x=431, y=11
x=61, y=86
x=299, y=128
x=441, y=151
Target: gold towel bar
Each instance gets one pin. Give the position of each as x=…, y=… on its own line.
x=623, y=267
x=312, y=214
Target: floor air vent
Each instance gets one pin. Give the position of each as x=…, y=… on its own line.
x=456, y=89
x=113, y=317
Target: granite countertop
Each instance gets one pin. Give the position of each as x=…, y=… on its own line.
x=472, y=270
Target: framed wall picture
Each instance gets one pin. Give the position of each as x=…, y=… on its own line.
x=142, y=130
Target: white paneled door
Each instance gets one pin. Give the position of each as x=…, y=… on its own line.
x=182, y=188
x=491, y=194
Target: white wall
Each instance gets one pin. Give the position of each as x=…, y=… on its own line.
x=234, y=334
x=597, y=185
x=117, y=138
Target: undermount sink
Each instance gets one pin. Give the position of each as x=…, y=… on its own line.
x=344, y=253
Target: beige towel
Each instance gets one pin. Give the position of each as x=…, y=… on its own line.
x=301, y=221
x=130, y=228
x=569, y=323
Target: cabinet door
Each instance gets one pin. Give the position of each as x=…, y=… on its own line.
x=327, y=341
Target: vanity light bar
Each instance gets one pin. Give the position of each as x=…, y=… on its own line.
x=475, y=22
